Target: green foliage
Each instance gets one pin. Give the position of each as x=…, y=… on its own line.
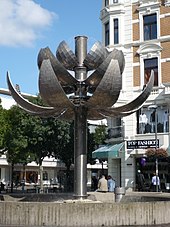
x=100, y=135
x=66, y=150
x=47, y=136
x=3, y=128
x=15, y=139
x=29, y=138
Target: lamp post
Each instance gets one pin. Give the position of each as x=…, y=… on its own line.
x=154, y=107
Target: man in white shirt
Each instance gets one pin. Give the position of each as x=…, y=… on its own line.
x=155, y=182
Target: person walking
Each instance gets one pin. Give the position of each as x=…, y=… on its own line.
x=140, y=181
x=111, y=184
x=102, y=184
x=94, y=183
x=155, y=182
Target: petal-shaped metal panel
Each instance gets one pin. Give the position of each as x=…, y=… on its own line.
x=46, y=114
x=139, y=100
x=94, y=79
x=50, y=88
x=118, y=55
x=66, y=56
x=112, y=113
x=108, y=90
x=28, y=106
x=94, y=115
x=68, y=115
x=66, y=80
x=96, y=56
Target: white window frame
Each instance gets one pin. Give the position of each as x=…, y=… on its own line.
x=120, y=31
x=145, y=57
x=146, y=12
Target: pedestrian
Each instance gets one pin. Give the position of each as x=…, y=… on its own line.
x=2, y=187
x=111, y=184
x=94, y=183
x=102, y=184
x=155, y=182
x=140, y=181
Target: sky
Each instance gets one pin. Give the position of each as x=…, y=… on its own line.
x=26, y=26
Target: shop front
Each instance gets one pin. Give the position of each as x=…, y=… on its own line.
x=147, y=166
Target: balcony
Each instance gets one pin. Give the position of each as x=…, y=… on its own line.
x=115, y=134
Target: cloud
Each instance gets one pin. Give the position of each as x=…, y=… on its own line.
x=22, y=21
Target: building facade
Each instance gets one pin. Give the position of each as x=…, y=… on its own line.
x=141, y=30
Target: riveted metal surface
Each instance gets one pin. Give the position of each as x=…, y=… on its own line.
x=66, y=80
x=104, y=83
x=108, y=90
x=69, y=96
x=139, y=100
x=96, y=56
x=30, y=107
x=66, y=56
x=50, y=89
x=95, y=78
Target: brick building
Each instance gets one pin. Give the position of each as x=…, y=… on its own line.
x=141, y=30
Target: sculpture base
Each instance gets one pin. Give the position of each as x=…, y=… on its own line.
x=80, y=197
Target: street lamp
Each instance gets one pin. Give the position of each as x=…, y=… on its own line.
x=154, y=107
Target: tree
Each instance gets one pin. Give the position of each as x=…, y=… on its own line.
x=15, y=140
x=2, y=128
x=100, y=135
x=30, y=138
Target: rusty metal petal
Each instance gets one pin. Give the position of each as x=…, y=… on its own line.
x=66, y=80
x=30, y=107
x=108, y=90
x=66, y=56
x=96, y=56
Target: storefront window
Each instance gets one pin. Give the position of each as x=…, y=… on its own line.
x=146, y=120
x=31, y=177
x=147, y=168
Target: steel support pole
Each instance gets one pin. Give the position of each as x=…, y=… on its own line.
x=156, y=146
x=80, y=153
x=80, y=122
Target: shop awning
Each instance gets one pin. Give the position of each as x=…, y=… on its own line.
x=108, y=151
x=114, y=150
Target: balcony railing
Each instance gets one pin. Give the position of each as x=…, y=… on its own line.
x=116, y=132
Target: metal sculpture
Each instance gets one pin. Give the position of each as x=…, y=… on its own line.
x=82, y=96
